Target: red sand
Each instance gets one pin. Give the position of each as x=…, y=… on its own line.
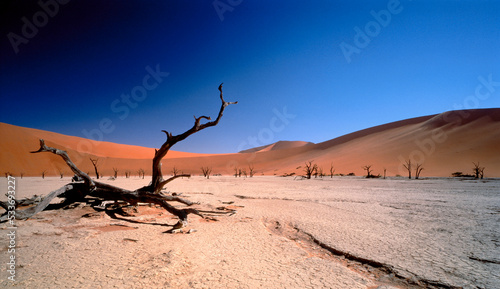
x=444, y=143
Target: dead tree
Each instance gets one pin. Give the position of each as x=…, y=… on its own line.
x=236, y=172
x=115, y=171
x=61, y=173
x=418, y=170
x=310, y=169
x=94, y=163
x=127, y=174
x=148, y=194
x=175, y=171
x=408, y=167
x=141, y=172
x=43, y=174
x=332, y=170
x=320, y=172
x=206, y=172
x=478, y=170
x=368, y=171
x=251, y=171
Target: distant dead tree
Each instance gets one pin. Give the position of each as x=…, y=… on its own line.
x=115, y=173
x=206, y=172
x=244, y=172
x=141, y=172
x=61, y=173
x=320, y=172
x=94, y=163
x=407, y=166
x=99, y=192
x=7, y=174
x=332, y=170
x=368, y=170
x=478, y=170
x=418, y=170
x=239, y=172
x=175, y=171
x=235, y=172
x=251, y=171
x=127, y=174
x=384, y=172
x=310, y=169
x=21, y=174
x=43, y=174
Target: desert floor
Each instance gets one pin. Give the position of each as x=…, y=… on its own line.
x=340, y=232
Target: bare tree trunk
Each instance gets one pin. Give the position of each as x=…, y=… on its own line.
x=148, y=194
x=251, y=170
x=332, y=170
x=157, y=178
x=368, y=171
x=478, y=170
x=94, y=163
x=310, y=169
x=418, y=170
x=206, y=171
x=408, y=167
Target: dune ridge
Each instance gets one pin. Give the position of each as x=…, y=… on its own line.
x=277, y=146
x=444, y=143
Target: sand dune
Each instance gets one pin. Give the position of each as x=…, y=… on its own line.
x=17, y=142
x=444, y=143
x=277, y=146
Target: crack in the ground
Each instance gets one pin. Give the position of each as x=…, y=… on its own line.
x=380, y=273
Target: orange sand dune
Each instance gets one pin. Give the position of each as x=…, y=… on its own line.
x=17, y=142
x=443, y=143
x=277, y=146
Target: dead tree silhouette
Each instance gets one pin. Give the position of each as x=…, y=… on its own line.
x=148, y=194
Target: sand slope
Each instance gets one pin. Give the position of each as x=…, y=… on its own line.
x=277, y=146
x=17, y=142
x=444, y=143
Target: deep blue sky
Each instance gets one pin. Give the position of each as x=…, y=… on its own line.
x=271, y=55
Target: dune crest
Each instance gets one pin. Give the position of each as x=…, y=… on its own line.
x=277, y=146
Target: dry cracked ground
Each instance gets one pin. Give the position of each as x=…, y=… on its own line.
x=269, y=232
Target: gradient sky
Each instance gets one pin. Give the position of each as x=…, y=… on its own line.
x=281, y=60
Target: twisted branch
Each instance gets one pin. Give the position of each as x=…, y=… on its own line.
x=157, y=178
x=65, y=157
